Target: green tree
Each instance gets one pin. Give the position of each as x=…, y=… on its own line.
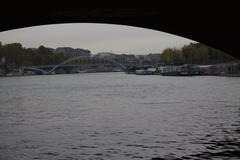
x=166, y=56
x=188, y=52
x=172, y=56
x=14, y=54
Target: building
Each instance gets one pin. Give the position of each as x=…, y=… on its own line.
x=106, y=55
x=73, y=52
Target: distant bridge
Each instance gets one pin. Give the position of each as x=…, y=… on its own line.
x=85, y=57
x=48, y=69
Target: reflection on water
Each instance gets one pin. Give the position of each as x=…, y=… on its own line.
x=119, y=116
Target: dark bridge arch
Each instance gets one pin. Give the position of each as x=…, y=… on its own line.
x=211, y=22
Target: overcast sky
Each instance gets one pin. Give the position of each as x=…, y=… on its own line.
x=118, y=39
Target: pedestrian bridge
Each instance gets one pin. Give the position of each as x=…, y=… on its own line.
x=83, y=61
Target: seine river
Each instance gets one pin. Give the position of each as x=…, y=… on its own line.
x=116, y=116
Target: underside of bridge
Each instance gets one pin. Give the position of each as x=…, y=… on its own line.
x=211, y=22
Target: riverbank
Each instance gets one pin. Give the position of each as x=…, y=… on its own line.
x=228, y=70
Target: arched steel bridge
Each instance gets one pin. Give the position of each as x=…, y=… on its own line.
x=82, y=57
x=73, y=59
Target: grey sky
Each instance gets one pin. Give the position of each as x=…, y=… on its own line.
x=118, y=39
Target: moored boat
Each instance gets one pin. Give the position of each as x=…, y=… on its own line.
x=144, y=72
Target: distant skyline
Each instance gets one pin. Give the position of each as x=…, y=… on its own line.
x=96, y=37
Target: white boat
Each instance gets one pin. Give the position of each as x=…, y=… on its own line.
x=144, y=72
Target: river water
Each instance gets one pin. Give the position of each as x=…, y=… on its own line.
x=116, y=116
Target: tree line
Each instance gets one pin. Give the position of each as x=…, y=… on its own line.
x=194, y=53
x=16, y=55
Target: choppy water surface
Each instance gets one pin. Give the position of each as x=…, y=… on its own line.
x=115, y=116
